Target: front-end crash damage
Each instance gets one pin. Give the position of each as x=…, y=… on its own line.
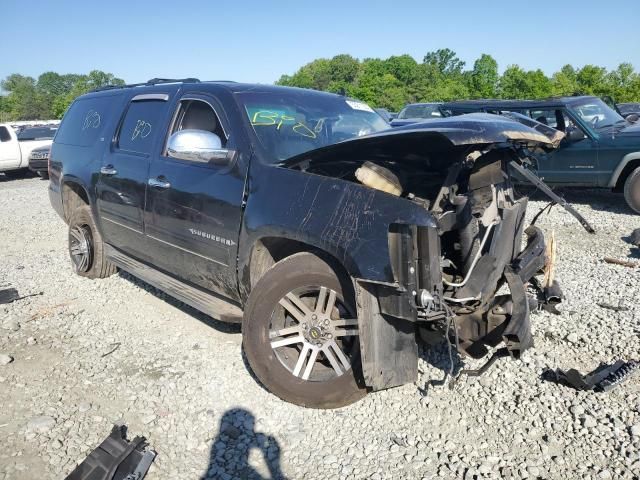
x=466, y=274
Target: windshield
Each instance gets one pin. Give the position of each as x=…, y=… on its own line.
x=596, y=112
x=40, y=133
x=420, y=111
x=291, y=123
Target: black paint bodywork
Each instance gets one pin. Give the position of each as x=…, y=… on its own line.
x=205, y=229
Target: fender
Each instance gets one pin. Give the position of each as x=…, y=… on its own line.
x=345, y=219
x=623, y=163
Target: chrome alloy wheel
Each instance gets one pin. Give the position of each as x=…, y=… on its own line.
x=81, y=247
x=314, y=334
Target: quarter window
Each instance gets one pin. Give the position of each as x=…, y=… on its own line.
x=141, y=125
x=84, y=122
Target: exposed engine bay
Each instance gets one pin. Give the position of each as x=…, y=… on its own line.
x=472, y=279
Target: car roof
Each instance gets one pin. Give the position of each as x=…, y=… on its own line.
x=228, y=85
x=514, y=104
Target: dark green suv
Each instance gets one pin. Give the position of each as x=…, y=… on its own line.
x=601, y=149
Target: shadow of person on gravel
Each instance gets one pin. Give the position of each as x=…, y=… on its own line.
x=229, y=456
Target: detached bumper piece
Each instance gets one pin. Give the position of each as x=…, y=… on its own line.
x=602, y=379
x=116, y=459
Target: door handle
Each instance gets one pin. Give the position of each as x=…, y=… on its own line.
x=159, y=182
x=108, y=170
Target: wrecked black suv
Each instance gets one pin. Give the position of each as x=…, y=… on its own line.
x=336, y=241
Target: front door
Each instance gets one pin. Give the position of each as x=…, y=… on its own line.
x=575, y=161
x=193, y=210
x=123, y=177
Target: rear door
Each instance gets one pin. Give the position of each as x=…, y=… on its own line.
x=193, y=209
x=123, y=177
x=9, y=149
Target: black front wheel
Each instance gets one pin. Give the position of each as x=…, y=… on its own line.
x=300, y=333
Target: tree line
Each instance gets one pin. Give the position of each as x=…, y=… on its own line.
x=390, y=83
x=441, y=76
x=48, y=96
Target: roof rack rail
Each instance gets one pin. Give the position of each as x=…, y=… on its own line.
x=156, y=81
x=153, y=81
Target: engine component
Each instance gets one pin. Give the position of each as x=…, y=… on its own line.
x=380, y=178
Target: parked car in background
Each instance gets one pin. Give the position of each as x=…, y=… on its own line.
x=630, y=109
x=600, y=149
x=417, y=112
x=15, y=150
x=278, y=207
x=39, y=161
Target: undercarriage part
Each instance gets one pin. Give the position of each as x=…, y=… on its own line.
x=525, y=172
x=500, y=353
x=116, y=459
x=602, y=379
x=380, y=178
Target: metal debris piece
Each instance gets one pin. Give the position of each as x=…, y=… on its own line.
x=616, y=308
x=8, y=295
x=602, y=379
x=116, y=459
x=535, y=180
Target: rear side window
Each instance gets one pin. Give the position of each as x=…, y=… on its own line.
x=85, y=120
x=4, y=134
x=141, y=125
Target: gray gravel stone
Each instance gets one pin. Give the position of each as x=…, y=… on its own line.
x=5, y=359
x=41, y=424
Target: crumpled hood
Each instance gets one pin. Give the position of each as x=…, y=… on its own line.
x=444, y=134
x=478, y=128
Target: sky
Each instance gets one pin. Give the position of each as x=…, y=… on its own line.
x=258, y=41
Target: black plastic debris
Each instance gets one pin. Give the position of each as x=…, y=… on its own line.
x=602, y=379
x=116, y=459
x=8, y=295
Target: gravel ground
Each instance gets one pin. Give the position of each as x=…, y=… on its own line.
x=88, y=353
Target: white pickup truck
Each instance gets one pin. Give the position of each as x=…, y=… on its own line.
x=16, y=148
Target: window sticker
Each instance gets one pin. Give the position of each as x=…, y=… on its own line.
x=359, y=106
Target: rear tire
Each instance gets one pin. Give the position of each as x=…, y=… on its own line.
x=86, y=248
x=309, y=310
x=632, y=190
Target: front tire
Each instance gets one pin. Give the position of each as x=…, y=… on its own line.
x=86, y=248
x=632, y=190
x=300, y=333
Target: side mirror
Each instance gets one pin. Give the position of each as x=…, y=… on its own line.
x=575, y=135
x=198, y=146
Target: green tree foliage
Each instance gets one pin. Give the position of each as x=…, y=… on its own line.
x=49, y=96
x=441, y=76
